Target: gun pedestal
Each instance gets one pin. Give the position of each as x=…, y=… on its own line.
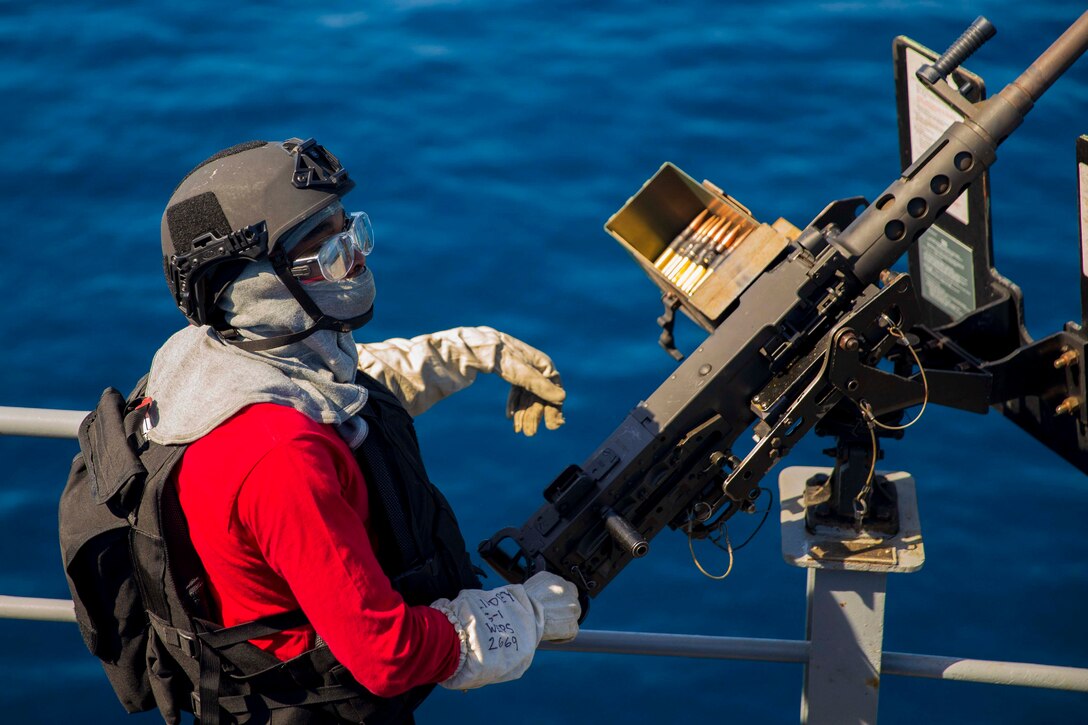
x=846, y=586
x=847, y=496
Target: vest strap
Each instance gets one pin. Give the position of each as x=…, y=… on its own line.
x=174, y=637
x=239, y=704
x=222, y=637
x=211, y=670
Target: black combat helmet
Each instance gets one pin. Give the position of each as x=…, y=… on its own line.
x=237, y=206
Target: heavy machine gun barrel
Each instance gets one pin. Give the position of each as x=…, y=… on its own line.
x=884, y=231
x=798, y=340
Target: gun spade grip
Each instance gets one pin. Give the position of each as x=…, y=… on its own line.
x=972, y=39
x=624, y=534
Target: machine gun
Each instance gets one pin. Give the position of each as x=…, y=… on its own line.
x=808, y=329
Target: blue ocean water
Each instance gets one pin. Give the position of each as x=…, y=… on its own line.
x=491, y=141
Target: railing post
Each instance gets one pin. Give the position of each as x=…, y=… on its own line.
x=845, y=628
x=846, y=590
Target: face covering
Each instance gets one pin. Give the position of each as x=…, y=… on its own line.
x=198, y=381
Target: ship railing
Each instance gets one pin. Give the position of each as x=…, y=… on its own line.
x=849, y=698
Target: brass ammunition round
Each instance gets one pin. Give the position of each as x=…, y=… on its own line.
x=692, y=271
x=683, y=274
x=683, y=260
x=717, y=244
x=697, y=285
x=690, y=284
x=669, y=255
x=707, y=237
x=692, y=230
x=678, y=273
x=727, y=245
x=677, y=259
x=663, y=258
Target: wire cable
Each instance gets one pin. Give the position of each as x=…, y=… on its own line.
x=723, y=533
x=861, y=501
x=770, y=505
x=866, y=409
x=695, y=559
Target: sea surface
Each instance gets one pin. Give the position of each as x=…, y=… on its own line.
x=491, y=141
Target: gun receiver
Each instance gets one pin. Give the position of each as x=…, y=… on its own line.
x=804, y=333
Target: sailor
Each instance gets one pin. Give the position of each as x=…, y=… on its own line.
x=301, y=483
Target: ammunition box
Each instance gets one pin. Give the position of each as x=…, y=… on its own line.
x=665, y=208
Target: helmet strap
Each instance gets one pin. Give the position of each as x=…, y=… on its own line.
x=282, y=267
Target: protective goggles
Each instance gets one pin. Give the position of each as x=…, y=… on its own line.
x=333, y=259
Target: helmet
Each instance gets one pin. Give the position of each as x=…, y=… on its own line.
x=238, y=206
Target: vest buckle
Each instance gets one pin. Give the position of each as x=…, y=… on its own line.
x=187, y=643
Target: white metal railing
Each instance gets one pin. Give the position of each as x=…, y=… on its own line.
x=64, y=424
x=718, y=648
x=40, y=422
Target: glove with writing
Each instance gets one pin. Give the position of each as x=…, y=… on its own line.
x=501, y=628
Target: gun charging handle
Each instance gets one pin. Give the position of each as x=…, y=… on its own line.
x=972, y=39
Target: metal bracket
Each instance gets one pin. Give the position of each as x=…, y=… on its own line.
x=857, y=335
x=667, y=321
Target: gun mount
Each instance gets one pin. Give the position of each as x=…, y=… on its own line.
x=802, y=326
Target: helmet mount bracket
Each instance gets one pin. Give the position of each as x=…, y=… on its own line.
x=186, y=272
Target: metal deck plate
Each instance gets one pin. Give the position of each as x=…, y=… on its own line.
x=899, y=554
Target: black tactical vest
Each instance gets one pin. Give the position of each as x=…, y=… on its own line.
x=138, y=585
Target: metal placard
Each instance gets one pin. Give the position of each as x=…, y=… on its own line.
x=961, y=236
x=947, y=272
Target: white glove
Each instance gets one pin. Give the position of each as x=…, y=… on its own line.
x=556, y=599
x=428, y=368
x=501, y=628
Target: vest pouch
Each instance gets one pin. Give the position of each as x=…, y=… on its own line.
x=110, y=616
x=94, y=539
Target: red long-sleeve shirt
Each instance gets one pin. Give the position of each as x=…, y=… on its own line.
x=277, y=510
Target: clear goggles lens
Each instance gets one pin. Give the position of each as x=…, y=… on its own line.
x=338, y=255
